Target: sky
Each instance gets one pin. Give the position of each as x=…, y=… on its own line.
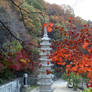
x=82, y=8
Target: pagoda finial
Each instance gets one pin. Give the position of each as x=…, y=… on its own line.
x=45, y=32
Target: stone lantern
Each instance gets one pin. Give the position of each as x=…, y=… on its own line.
x=45, y=79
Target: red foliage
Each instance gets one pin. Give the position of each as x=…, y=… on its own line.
x=71, y=18
x=85, y=45
x=48, y=63
x=40, y=65
x=76, y=49
x=15, y=67
x=48, y=72
x=44, y=25
x=19, y=61
x=89, y=84
x=51, y=24
x=1, y=67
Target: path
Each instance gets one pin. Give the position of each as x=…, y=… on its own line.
x=59, y=86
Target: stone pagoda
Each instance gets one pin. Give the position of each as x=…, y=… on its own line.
x=45, y=77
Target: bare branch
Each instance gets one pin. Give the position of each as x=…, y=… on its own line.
x=9, y=31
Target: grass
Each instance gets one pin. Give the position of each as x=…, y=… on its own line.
x=32, y=87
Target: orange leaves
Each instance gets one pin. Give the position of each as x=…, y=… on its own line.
x=81, y=65
x=81, y=70
x=61, y=63
x=65, y=56
x=54, y=58
x=89, y=74
x=59, y=53
x=51, y=24
x=90, y=28
x=90, y=50
x=60, y=59
x=84, y=30
x=85, y=45
x=49, y=27
x=48, y=63
x=74, y=68
x=85, y=66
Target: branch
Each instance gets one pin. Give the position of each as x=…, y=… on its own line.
x=21, y=41
x=9, y=31
x=22, y=8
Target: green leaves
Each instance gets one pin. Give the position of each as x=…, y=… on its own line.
x=64, y=76
x=88, y=90
x=35, y=4
x=76, y=77
x=13, y=46
x=28, y=7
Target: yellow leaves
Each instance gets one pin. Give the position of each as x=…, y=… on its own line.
x=24, y=60
x=56, y=18
x=28, y=60
x=11, y=47
x=63, y=63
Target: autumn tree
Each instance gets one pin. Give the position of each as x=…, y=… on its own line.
x=74, y=52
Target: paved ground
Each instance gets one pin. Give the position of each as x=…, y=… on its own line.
x=60, y=86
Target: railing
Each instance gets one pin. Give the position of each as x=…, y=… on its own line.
x=16, y=85
x=12, y=86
